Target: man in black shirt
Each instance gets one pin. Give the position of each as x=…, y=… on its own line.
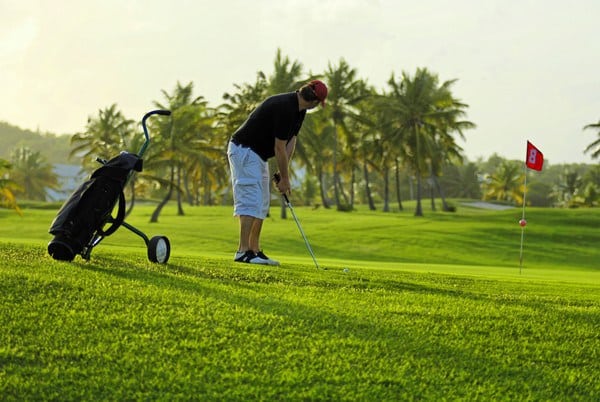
x=270, y=131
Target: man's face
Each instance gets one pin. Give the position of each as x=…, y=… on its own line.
x=314, y=104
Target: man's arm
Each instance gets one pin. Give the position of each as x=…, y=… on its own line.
x=290, y=147
x=283, y=153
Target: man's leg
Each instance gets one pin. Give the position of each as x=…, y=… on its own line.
x=250, y=228
x=254, y=241
x=249, y=237
x=246, y=225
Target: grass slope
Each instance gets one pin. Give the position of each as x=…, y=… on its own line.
x=431, y=308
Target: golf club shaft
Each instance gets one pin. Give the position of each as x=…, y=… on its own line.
x=289, y=205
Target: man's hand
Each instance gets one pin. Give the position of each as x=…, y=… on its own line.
x=282, y=183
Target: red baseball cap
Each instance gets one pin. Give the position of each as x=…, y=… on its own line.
x=320, y=90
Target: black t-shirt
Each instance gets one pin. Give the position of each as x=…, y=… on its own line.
x=276, y=117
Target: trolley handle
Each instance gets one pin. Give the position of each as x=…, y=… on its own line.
x=153, y=112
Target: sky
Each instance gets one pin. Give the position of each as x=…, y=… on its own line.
x=529, y=70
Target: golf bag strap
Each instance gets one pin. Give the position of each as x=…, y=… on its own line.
x=116, y=222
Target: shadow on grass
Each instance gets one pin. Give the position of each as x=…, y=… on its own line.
x=437, y=349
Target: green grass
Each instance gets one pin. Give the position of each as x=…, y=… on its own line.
x=431, y=308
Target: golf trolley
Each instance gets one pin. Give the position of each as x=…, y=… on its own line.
x=80, y=223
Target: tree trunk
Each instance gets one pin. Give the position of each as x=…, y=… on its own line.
x=179, y=203
x=208, y=192
x=336, y=192
x=352, y=185
x=188, y=193
x=283, y=213
x=432, y=193
x=322, y=190
x=368, y=187
x=398, y=195
x=386, y=190
x=419, y=208
x=440, y=191
x=343, y=193
x=159, y=207
x=132, y=190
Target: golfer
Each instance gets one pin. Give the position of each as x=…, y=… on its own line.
x=269, y=131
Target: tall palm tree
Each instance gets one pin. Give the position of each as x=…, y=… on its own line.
x=204, y=161
x=426, y=113
x=345, y=90
x=285, y=76
x=173, y=142
x=8, y=188
x=446, y=150
x=33, y=173
x=314, y=151
x=377, y=144
x=104, y=137
x=594, y=147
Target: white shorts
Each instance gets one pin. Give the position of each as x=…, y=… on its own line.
x=250, y=181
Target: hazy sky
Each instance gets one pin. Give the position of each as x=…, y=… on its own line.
x=529, y=70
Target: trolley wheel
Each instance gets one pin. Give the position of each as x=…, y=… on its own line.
x=159, y=249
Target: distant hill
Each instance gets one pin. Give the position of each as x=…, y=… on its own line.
x=55, y=148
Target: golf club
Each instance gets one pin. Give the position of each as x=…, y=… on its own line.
x=276, y=178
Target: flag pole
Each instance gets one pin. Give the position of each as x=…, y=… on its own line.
x=534, y=160
x=523, y=222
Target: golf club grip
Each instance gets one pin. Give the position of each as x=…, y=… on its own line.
x=276, y=178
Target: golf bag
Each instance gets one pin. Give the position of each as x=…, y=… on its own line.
x=84, y=215
x=80, y=223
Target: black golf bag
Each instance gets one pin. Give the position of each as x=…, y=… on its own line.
x=89, y=208
x=81, y=221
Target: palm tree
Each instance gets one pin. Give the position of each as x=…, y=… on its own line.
x=568, y=187
x=445, y=150
x=314, y=151
x=205, y=164
x=461, y=180
x=104, y=137
x=506, y=183
x=426, y=114
x=8, y=187
x=173, y=142
x=239, y=104
x=361, y=127
x=344, y=91
x=286, y=75
x=378, y=148
x=594, y=147
x=33, y=173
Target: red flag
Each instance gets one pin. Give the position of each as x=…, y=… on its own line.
x=534, y=159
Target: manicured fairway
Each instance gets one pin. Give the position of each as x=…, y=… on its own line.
x=433, y=308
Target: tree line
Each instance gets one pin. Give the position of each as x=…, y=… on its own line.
x=366, y=146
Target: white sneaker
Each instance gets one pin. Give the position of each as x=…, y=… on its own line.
x=250, y=257
x=262, y=255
